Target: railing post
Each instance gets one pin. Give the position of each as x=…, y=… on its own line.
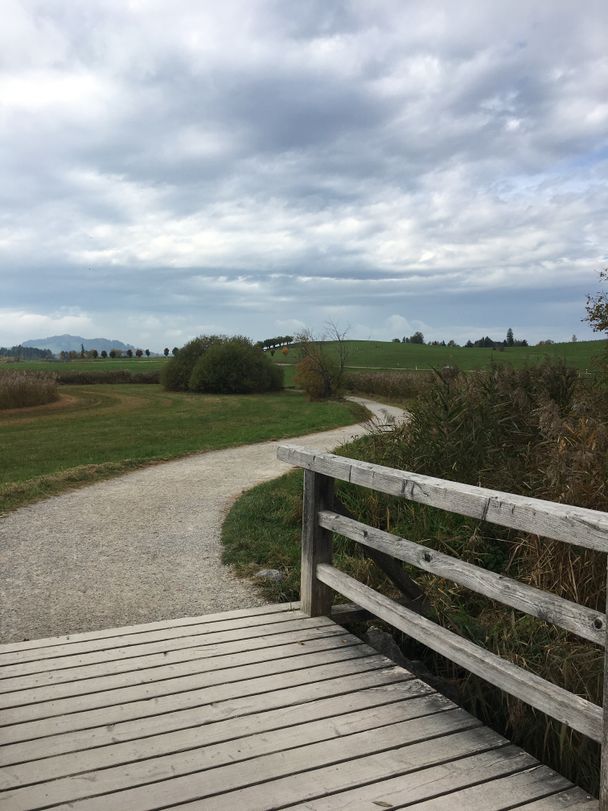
x=316, y=597
x=604, y=758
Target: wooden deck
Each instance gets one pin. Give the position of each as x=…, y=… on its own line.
x=253, y=709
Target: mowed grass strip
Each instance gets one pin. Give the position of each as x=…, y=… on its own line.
x=87, y=365
x=101, y=431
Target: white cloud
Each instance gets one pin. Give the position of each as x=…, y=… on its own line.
x=242, y=156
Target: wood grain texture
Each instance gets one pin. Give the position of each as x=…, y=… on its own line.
x=577, y=619
x=316, y=544
x=562, y=522
x=566, y=707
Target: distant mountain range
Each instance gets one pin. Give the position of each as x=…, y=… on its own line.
x=74, y=343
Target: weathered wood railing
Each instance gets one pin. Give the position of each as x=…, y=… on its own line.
x=574, y=525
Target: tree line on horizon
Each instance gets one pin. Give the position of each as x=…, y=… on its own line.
x=485, y=343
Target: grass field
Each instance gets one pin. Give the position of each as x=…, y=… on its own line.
x=388, y=355
x=368, y=355
x=89, y=365
x=98, y=431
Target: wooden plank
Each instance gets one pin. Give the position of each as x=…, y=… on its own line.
x=153, y=690
x=104, y=633
x=563, y=522
x=566, y=707
x=168, y=672
x=572, y=617
x=200, y=758
x=573, y=798
x=425, y=784
x=193, y=700
x=281, y=699
x=325, y=710
x=504, y=792
x=125, y=640
x=312, y=783
x=201, y=641
x=218, y=781
x=256, y=646
x=316, y=544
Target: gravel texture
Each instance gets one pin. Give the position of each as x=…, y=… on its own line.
x=139, y=548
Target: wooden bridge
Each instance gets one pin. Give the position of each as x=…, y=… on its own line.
x=281, y=707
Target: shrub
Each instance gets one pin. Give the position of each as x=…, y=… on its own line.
x=321, y=371
x=23, y=389
x=176, y=373
x=215, y=363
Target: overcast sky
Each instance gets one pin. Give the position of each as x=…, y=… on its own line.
x=174, y=168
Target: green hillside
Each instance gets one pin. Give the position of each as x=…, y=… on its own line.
x=389, y=355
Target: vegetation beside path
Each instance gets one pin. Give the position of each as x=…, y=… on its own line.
x=95, y=432
x=541, y=432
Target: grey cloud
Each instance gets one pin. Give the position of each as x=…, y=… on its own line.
x=237, y=159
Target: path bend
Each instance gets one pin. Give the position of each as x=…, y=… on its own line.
x=145, y=546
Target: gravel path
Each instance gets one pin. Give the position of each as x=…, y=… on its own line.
x=139, y=548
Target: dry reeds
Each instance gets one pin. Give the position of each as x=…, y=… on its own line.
x=20, y=389
x=541, y=432
x=398, y=387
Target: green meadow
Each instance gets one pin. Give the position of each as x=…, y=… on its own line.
x=94, y=432
x=388, y=355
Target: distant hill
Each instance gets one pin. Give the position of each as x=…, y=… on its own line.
x=73, y=343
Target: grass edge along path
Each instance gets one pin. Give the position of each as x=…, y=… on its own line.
x=26, y=490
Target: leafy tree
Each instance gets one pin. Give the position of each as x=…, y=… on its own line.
x=147, y=353
x=174, y=351
x=597, y=308
x=129, y=353
x=166, y=351
x=113, y=353
x=510, y=340
x=417, y=338
x=94, y=353
x=104, y=354
x=138, y=353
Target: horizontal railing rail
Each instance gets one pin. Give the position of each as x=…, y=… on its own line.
x=562, y=522
x=574, y=525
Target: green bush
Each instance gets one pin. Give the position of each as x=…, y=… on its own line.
x=176, y=373
x=222, y=365
x=27, y=388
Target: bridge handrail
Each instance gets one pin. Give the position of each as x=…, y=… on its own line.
x=575, y=525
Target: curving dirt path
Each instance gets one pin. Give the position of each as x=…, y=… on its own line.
x=139, y=548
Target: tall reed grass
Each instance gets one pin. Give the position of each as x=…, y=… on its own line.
x=398, y=387
x=19, y=389
x=538, y=431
